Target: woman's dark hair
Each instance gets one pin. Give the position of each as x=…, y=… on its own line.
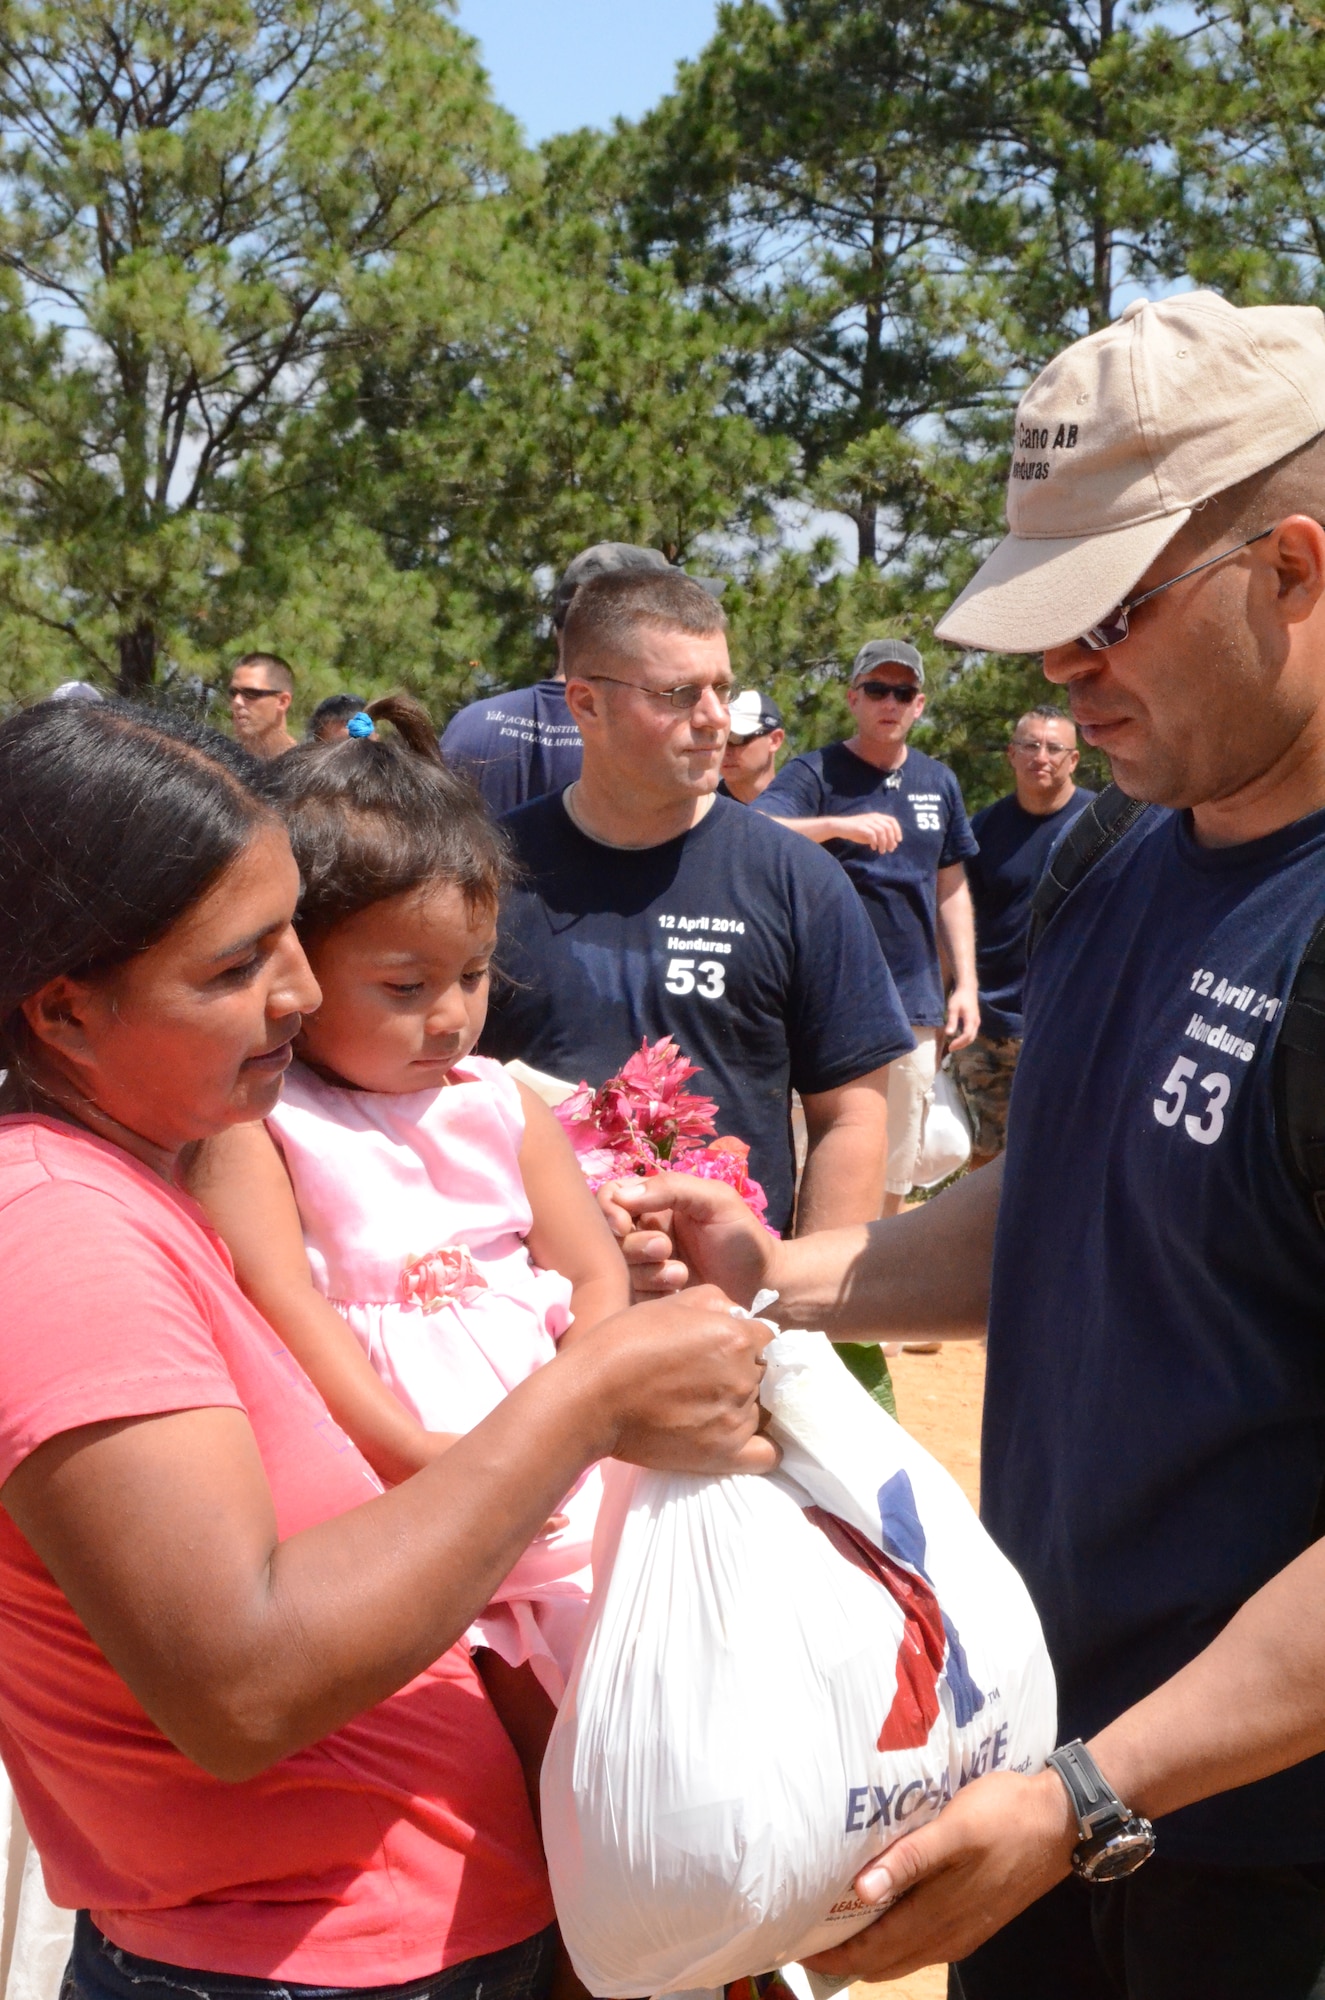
x=374, y=817
x=114, y=821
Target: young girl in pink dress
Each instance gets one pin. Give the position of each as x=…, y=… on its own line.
x=412, y=1221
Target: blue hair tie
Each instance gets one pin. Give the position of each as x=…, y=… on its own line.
x=360, y=724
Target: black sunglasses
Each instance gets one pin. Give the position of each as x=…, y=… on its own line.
x=876, y=690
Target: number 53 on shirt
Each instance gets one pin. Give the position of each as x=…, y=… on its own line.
x=1203, y=1125
x=708, y=979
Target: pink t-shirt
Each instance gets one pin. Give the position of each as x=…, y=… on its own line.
x=403, y=1843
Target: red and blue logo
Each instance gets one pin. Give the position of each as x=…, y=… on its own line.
x=930, y=1648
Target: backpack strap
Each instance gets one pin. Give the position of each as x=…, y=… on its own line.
x=1092, y=833
x=1299, y=1076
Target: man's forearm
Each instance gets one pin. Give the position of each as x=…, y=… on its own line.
x=1252, y=1703
x=956, y=915
x=924, y=1274
x=813, y=829
x=844, y=1169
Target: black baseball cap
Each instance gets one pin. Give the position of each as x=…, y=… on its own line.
x=604, y=558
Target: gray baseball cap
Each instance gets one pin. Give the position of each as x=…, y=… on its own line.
x=605, y=557
x=887, y=652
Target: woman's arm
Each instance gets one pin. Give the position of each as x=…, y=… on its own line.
x=570, y=1233
x=243, y=1648
x=240, y=1180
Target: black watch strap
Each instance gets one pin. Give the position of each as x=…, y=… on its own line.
x=1094, y=1800
x=1114, y=1839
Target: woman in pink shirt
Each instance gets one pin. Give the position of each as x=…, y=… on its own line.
x=234, y=1702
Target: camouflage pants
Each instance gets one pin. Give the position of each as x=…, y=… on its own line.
x=984, y=1076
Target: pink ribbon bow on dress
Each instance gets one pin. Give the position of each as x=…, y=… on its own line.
x=440, y=1275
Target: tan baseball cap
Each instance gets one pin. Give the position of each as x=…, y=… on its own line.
x=1119, y=439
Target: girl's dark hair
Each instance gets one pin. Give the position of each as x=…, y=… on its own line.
x=374, y=817
x=114, y=821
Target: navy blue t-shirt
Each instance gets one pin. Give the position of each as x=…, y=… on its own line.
x=516, y=746
x=739, y=939
x=899, y=890
x=1004, y=875
x=1154, y=1428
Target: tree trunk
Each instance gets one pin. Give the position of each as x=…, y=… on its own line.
x=137, y=658
x=1101, y=305
x=871, y=373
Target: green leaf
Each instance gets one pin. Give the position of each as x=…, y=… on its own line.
x=865, y=1360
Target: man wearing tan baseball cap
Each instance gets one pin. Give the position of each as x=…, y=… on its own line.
x=1147, y=1256
x=1120, y=441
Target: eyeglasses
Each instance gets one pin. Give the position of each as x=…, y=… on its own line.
x=687, y=696
x=1055, y=751
x=1111, y=631
x=876, y=690
x=252, y=694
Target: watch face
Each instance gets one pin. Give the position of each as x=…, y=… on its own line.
x=1117, y=1853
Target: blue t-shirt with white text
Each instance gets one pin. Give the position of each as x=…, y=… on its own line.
x=1003, y=877
x=516, y=746
x=1154, y=1429
x=740, y=940
x=899, y=890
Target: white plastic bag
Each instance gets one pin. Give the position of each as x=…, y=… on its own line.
x=715, y=1779
x=945, y=1136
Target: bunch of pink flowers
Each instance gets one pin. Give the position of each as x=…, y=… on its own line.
x=643, y=1121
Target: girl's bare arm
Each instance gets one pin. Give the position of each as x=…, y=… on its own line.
x=570, y=1233
x=240, y=1180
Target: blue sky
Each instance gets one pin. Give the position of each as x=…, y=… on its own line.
x=558, y=64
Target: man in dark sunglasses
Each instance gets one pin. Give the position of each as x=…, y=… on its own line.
x=260, y=689
x=897, y=822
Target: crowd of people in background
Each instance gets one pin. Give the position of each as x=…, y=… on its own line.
x=599, y=951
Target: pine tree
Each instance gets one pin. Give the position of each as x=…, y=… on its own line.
x=196, y=197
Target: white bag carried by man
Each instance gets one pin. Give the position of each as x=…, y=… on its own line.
x=781, y=1676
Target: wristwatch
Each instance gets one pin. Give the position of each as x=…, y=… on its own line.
x=1114, y=1839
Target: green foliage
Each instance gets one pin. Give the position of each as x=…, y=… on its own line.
x=804, y=175
x=865, y=1360
x=573, y=397
x=197, y=197
x=300, y=348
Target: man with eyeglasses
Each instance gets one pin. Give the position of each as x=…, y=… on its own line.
x=261, y=690
x=1150, y=1264
x=648, y=906
x=1015, y=836
x=524, y=743
x=895, y=820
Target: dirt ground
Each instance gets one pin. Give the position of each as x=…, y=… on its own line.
x=938, y=1399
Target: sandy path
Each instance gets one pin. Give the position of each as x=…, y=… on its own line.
x=938, y=1399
